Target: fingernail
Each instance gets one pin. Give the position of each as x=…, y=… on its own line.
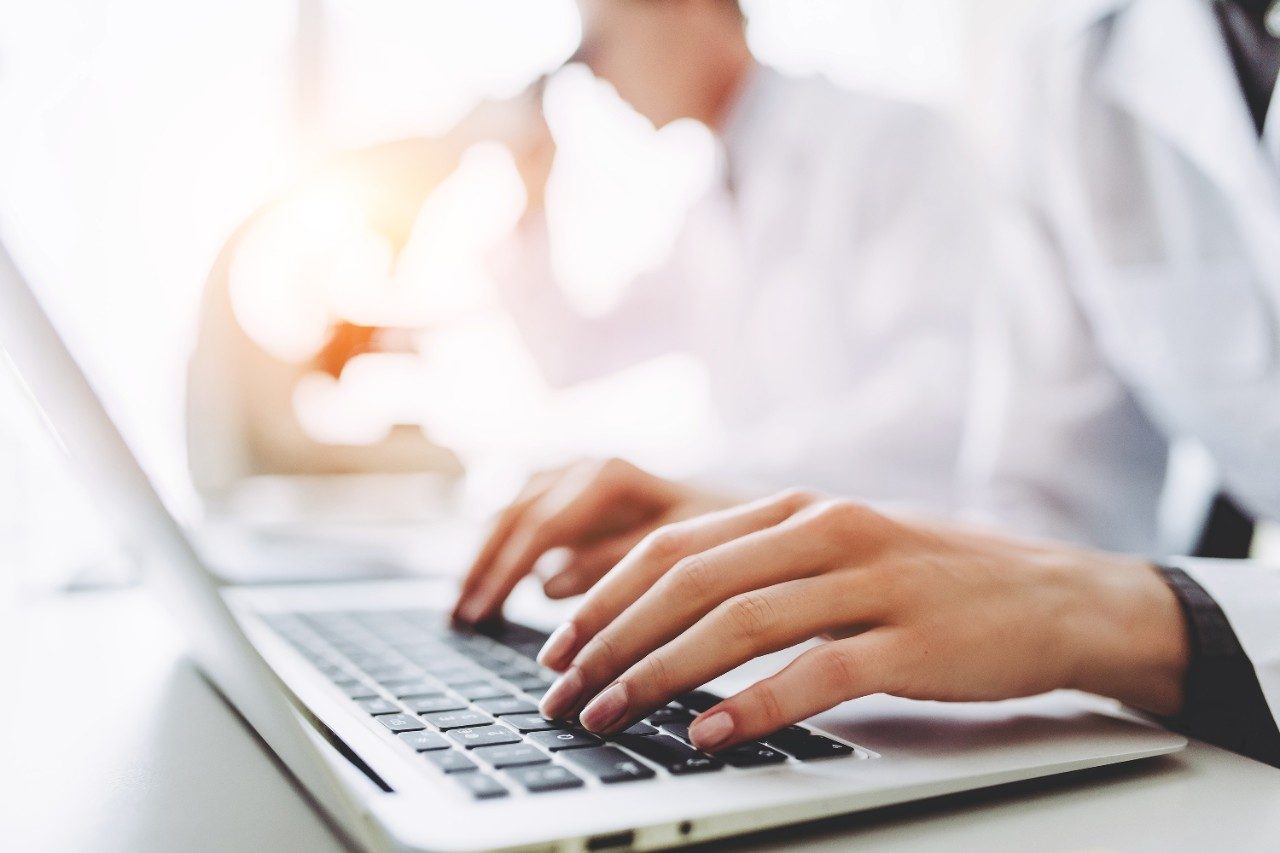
x=606, y=709
x=708, y=733
x=562, y=696
x=471, y=611
x=556, y=653
x=558, y=586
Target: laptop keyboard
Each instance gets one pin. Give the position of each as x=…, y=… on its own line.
x=467, y=704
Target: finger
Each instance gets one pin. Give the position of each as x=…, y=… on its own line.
x=589, y=563
x=817, y=680
x=573, y=509
x=743, y=628
x=653, y=558
x=502, y=526
x=717, y=586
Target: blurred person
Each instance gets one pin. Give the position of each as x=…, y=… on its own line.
x=1149, y=160
x=825, y=280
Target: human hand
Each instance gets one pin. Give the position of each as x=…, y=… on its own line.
x=598, y=511
x=914, y=610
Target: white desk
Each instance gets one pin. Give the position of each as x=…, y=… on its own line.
x=121, y=746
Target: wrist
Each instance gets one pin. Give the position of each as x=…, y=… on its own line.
x=1128, y=633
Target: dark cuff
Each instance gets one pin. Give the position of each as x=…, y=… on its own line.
x=1224, y=704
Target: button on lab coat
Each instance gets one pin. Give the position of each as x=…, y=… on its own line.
x=828, y=293
x=1150, y=305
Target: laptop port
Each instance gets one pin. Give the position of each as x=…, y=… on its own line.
x=612, y=841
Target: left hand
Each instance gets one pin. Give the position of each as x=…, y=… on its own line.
x=914, y=610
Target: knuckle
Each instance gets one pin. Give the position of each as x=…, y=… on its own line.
x=835, y=667
x=751, y=615
x=693, y=577
x=666, y=544
x=799, y=498
x=842, y=518
x=600, y=657
x=612, y=468
x=768, y=707
x=656, y=675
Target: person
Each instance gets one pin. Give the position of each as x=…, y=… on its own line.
x=1153, y=178
x=826, y=281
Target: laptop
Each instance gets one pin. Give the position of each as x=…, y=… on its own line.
x=411, y=735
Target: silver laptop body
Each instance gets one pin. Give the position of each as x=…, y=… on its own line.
x=321, y=673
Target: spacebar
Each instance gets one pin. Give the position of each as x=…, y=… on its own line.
x=669, y=753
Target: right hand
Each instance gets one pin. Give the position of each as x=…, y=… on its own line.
x=597, y=511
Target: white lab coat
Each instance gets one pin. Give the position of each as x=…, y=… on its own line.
x=829, y=294
x=1155, y=311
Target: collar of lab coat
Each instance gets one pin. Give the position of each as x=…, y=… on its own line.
x=1167, y=64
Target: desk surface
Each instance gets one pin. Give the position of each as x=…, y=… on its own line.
x=122, y=746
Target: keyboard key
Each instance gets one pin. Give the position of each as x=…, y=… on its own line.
x=424, y=741
x=359, y=691
x=392, y=672
x=483, y=736
x=807, y=746
x=679, y=730
x=434, y=704
x=523, y=640
x=547, y=777
x=751, y=755
x=412, y=687
x=608, y=764
x=378, y=706
x=669, y=715
x=790, y=731
x=457, y=719
x=698, y=701
x=453, y=761
x=482, y=787
x=667, y=752
x=508, y=671
x=469, y=676
x=400, y=722
x=511, y=755
x=506, y=705
x=564, y=739
x=458, y=670
x=532, y=723
x=531, y=683
x=481, y=690
x=640, y=729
